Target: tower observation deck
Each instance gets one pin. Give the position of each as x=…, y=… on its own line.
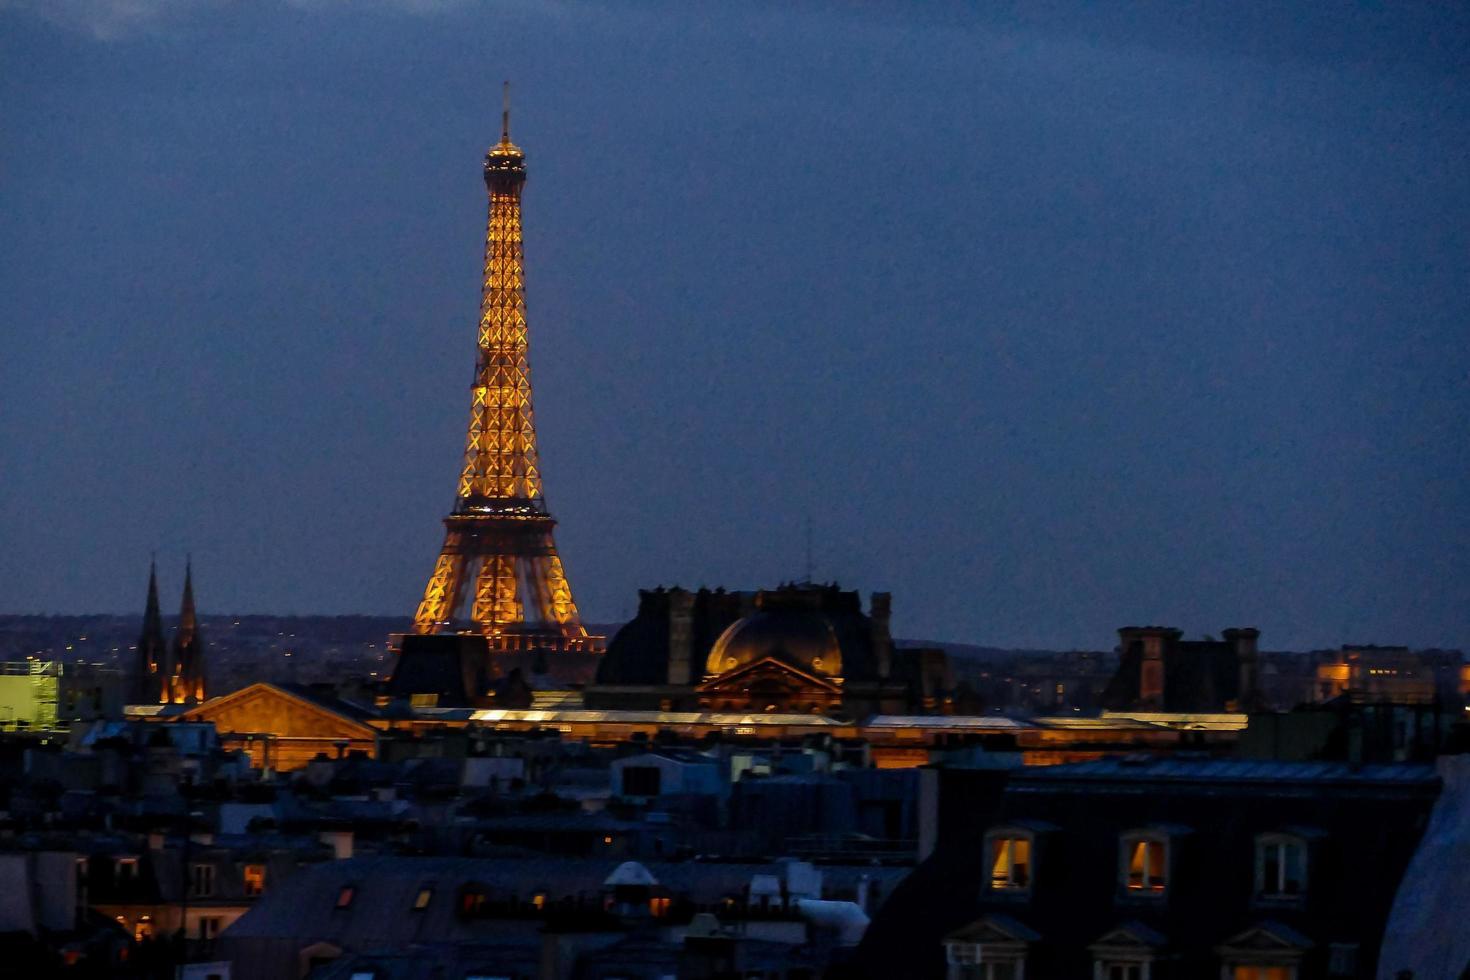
x=499, y=558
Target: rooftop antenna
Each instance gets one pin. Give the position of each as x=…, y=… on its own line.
x=505, y=112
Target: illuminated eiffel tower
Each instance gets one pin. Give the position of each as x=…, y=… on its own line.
x=498, y=549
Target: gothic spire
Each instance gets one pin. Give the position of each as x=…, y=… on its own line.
x=151, y=673
x=188, y=665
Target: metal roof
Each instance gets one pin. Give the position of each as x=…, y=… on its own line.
x=1233, y=770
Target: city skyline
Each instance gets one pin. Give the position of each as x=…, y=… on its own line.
x=1127, y=330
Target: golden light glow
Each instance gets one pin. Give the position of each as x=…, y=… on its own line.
x=499, y=536
x=1010, y=863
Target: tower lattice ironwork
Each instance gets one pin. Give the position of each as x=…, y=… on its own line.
x=499, y=556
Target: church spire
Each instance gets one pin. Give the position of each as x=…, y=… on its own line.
x=188, y=658
x=151, y=673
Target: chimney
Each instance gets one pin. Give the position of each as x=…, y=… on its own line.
x=880, y=614
x=681, y=635
x=1154, y=644
x=339, y=840
x=1248, y=687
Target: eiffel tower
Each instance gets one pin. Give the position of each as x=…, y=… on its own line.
x=498, y=549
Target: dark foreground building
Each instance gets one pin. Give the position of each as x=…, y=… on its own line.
x=1155, y=870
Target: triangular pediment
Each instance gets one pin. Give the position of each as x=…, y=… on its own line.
x=993, y=929
x=768, y=668
x=1268, y=937
x=1131, y=935
x=237, y=713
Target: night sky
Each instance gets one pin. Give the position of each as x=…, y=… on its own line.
x=1048, y=319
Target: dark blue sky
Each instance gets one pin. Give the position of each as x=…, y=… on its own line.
x=1050, y=319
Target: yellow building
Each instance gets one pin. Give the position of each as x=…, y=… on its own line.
x=283, y=726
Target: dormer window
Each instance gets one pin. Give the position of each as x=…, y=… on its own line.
x=1281, y=867
x=1010, y=853
x=254, y=880
x=1145, y=868
x=126, y=868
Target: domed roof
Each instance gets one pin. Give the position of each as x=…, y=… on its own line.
x=630, y=873
x=803, y=639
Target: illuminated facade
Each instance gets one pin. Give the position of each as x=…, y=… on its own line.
x=499, y=558
x=151, y=672
x=186, y=675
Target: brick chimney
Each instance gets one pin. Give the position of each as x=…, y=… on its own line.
x=1248, y=686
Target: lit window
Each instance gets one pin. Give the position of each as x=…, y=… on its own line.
x=1010, y=862
x=1259, y=972
x=539, y=900
x=659, y=907
x=1145, y=864
x=422, y=899
x=344, y=897
x=201, y=880
x=254, y=880
x=471, y=901
x=423, y=700
x=1281, y=867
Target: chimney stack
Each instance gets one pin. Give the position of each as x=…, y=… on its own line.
x=681, y=635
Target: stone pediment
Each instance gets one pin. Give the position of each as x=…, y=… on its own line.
x=1267, y=938
x=1130, y=935
x=993, y=929
x=265, y=708
x=771, y=670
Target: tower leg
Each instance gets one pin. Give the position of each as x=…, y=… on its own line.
x=443, y=591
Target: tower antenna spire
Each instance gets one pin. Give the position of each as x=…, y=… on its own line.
x=505, y=112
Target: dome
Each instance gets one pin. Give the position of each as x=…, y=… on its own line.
x=630, y=874
x=803, y=639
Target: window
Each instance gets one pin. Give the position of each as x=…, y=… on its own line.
x=209, y=926
x=143, y=929
x=126, y=869
x=1010, y=861
x=472, y=901
x=1281, y=867
x=1259, y=972
x=1145, y=864
x=423, y=700
x=972, y=961
x=641, y=780
x=254, y=880
x=422, y=899
x=344, y=897
x=658, y=906
x=1121, y=971
x=1342, y=960
x=201, y=880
